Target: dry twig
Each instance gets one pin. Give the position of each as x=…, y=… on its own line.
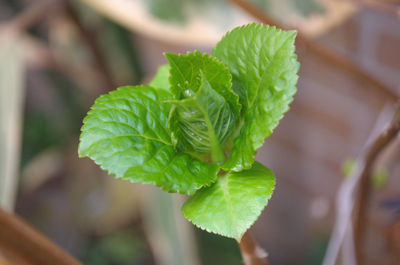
x=345, y=201
x=18, y=238
x=363, y=199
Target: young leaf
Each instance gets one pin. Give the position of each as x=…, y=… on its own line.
x=160, y=80
x=204, y=121
x=126, y=133
x=264, y=69
x=185, y=72
x=232, y=204
x=206, y=108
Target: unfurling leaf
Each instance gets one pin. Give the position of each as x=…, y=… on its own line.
x=206, y=109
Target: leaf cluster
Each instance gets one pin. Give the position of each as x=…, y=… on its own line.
x=195, y=128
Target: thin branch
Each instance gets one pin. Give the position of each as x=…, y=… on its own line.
x=252, y=253
x=348, y=251
x=363, y=199
x=326, y=53
x=345, y=200
x=90, y=38
x=22, y=240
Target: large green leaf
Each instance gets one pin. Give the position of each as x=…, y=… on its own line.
x=206, y=109
x=264, y=67
x=232, y=204
x=126, y=133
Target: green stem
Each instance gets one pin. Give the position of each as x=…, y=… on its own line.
x=217, y=155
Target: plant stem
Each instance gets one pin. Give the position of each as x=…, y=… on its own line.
x=345, y=202
x=361, y=217
x=252, y=253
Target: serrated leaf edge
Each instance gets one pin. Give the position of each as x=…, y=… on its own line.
x=80, y=155
x=241, y=234
x=215, y=60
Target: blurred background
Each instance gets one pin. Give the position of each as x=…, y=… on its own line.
x=57, y=56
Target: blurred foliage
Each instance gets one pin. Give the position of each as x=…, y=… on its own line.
x=176, y=10
x=301, y=7
x=348, y=166
x=172, y=239
x=54, y=109
x=44, y=128
x=40, y=133
x=308, y=7
x=217, y=250
x=118, y=248
x=171, y=10
x=179, y=11
x=380, y=177
x=318, y=249
x=121, y=54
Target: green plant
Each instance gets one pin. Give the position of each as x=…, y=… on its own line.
x=196, y=127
